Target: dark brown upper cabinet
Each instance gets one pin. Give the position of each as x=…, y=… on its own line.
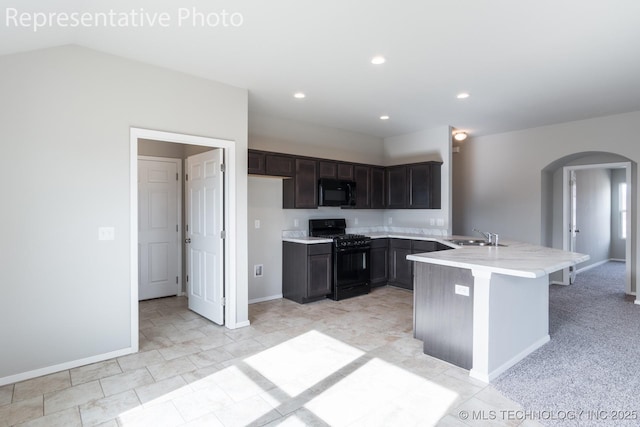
x=335, y=170
x=409, y=186
x=345, y=171
x=279, y=165
x=255, y=162
x=378, y=198
x=424, y=185
x=301, y=191
x=363, y=186
x=396, y=187
x=327, y=169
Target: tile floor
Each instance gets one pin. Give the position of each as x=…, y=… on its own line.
x=346, y=363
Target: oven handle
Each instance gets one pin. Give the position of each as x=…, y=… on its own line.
x=362, y=249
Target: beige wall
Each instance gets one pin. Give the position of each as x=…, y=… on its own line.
x=65, y=119
x=305, y=139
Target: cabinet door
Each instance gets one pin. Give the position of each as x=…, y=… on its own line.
x=255, y=163
x=418, y=176
x=379, y=262
x=424, y=185
x=400, y=269
x=306, y=184
x=345, y=171
x=396, y=187
x=327, y=169
x=377, y=192
x=277, y=165
x=319, y=275
x=363, y=186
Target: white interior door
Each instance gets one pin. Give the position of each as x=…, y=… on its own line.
x=204, y=239
x=573, y=221
x=158, y=230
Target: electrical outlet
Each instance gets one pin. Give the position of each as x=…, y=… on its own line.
x=462, y=290
x=106, y=233
x=355, y=221
x=390, y=220
x=432, y=221
x=258, y=270
x=440, y=222
x=256, y=223
x=296, y=223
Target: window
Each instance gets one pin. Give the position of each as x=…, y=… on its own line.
x=622, y=208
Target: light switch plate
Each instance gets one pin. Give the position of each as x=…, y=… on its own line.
x=462, y=290
x=258, y=270
x=257, y=223
x=106, y=233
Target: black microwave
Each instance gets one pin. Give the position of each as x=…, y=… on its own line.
x=335, y=192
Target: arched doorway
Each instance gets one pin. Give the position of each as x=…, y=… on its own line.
x=557, y=227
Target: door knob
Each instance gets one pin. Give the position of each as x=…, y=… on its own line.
x=187, y=240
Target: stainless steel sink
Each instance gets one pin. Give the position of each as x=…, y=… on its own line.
x=470, y=242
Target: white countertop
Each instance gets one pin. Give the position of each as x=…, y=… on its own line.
x=377, y=235
x=514, y=259
x=305, y=240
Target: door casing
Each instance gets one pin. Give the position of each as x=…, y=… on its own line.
x=230, y=260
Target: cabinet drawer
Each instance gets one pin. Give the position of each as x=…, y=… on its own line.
x=424, y=246
x=379, y=243
x=319, y=249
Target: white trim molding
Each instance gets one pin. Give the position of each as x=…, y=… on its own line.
x=64, y=366
x=230, y=261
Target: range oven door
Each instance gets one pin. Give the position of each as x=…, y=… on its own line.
x=351, y=272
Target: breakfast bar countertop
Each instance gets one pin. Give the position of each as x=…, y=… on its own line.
x=512, y=259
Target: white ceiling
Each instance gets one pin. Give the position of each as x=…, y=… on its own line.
x=525, y=63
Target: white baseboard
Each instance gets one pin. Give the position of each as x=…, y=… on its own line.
x=487, y=377
x=589, y=267
x=239, y=325
x=269, y=298
x=64, y=366
x=617, y=260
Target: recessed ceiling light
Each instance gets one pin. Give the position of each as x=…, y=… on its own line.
x=378, y=60
x=299, y=95
x=385, y=117
x=462, y=95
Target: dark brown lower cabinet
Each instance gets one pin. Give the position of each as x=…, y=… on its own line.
x=443, y=319
x=379, y=265
x=307, y=272
x=400, y=269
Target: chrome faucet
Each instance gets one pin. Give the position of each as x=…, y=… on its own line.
x=491, y=238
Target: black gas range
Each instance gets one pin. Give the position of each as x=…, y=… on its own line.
x=351, y=272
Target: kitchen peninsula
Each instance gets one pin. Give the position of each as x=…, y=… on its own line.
x=485, y=308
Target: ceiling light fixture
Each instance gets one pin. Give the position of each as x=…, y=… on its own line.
x=385, y=117
x=378, y=60
x=460, y=136
x=299, y=95
x=462, y=95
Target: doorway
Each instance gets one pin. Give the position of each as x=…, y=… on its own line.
x=597, y=215
x=228, y=261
